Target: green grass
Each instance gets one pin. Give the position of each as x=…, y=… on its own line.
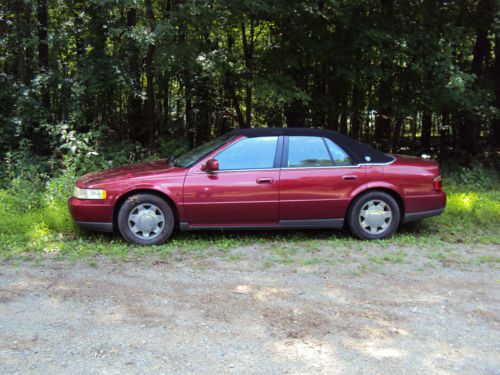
x=488, y=259
x=392, y=257
x=36, y=225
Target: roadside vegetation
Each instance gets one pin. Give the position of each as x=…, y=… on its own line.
x=35, y=224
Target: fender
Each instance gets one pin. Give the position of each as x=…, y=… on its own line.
x=172, y=194
x=372, y=185
x=384, y=185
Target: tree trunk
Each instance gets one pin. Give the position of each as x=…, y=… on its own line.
x=230, y=85
x=414, y=129
x=166, y=104
x=356, y=109
x=150, y=90
x=295, y=114
x=384, y=114
x=78, y=9
x=203, y=111
x=21, y=68
x=43, y=48
x=190, y=131
x=343, y=113
x=495, y=131
x=319, y=92
x=134, y=102
x=396, y=134
x=384, y=110
x=470, y=129
x=334, y=110
x=443, y=131
x=426, y=131
x=248, y=45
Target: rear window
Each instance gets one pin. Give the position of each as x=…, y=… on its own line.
x=307, y=152
x=339, y=156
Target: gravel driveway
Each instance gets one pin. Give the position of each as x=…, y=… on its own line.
x=243, y=315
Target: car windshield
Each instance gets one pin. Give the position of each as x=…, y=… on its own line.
x=191, y=157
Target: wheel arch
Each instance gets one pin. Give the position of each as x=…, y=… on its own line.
x=392, y=192
x=119, y=202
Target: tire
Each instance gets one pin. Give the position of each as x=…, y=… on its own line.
x=374, y=216
x=145, y=219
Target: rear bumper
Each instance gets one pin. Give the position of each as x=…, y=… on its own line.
x=413, y=216
x=420, y=207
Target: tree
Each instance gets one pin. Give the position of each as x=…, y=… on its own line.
x=156, y=75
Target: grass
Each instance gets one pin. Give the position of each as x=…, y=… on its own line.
x=35, y=225
x=396, y=257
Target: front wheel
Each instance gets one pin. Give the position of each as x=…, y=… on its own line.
x=145, y=219
x=374, y=216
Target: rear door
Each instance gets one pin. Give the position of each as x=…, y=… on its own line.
x=243, y=192
x=317, y=179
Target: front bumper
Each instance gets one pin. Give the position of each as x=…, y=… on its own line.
x=94, y=215
x=96, y=227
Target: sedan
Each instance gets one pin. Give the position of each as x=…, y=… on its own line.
x=262, y=179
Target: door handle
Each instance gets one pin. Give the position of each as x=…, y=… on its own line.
x=265, y=180
x=350, y=177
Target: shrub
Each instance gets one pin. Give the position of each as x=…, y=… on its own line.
x=476, y=177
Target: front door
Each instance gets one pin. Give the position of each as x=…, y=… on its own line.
x=317, y=179
x=243, y=192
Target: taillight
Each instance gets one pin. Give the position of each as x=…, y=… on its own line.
x=438, y=183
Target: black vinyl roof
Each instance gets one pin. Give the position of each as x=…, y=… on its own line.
x=360, y=152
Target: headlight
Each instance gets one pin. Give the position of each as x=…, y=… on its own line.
x=89, y=193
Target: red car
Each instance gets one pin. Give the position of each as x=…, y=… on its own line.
x=262, y=178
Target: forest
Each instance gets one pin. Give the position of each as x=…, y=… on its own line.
x=86, y=85
x=115, y=79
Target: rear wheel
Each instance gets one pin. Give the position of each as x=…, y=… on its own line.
x=145, y=219
x=373, y=216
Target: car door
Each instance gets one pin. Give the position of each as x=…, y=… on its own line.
x=243, y=192
x=317, y=179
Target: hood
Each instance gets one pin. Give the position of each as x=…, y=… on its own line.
x=126, y=172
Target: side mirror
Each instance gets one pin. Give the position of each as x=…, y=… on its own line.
x=210, y=166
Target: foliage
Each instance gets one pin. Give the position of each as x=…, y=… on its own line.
x=476, y=177
x=113, y=81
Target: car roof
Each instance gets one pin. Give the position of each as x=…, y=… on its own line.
x=361, y=153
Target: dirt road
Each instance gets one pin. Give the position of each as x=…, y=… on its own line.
x=244, y=316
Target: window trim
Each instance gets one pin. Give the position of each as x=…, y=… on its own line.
x=328, y=150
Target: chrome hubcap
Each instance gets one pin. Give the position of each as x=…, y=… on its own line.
x=375, y=216
x=146, y=221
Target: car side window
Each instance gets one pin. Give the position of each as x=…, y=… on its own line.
x=339, y=156
x=249, y=153
x=307, y=152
